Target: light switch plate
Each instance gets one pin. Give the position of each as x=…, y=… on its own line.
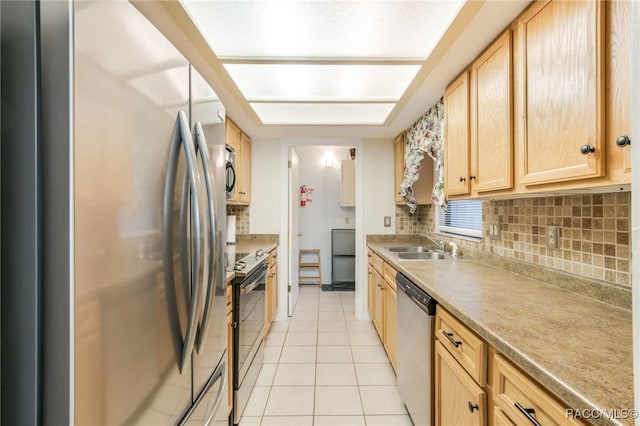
x=387, y=221
x=553, y=236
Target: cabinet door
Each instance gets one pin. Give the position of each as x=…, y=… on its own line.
x=398, y=168
x=378, y=300
x=348, y=183
x=273, y=273
x=492, y=122
x=233, y=140
x=459, y=400
x=244, y=166
x=456, y=141
x=370, y=287
x=619, y=78
x=561, y=47
x=390, y=322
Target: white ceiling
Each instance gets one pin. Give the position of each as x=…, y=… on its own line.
x=359, y=68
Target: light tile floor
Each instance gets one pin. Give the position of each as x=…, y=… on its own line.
x=322, y=367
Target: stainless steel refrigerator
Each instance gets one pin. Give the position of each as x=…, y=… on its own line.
x=124, y=319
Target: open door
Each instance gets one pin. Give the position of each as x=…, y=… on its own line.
x=294, y=233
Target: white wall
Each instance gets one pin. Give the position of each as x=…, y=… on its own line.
x=324, y=212
x=264, y=212
x=378, y=188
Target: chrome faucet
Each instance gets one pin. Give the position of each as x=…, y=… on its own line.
x=439, y=243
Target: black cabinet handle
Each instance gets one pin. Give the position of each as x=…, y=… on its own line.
x=473, y=407
x=449, y=337
x=586, y=149
x=527, y=412
x=462, y=179
x=623, y=141
x=472, y=177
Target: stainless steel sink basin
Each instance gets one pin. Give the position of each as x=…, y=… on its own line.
x=410, y=249
x=423, y=256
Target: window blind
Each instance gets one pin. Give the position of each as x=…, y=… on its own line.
x=463, y=217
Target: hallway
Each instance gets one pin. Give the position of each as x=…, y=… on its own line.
x=322, y=367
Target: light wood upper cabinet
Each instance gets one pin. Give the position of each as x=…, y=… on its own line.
x=423, y=187
x=241, y=143
x=618, y=70
x=456, y=140
x=561, y=44
x=348, y=183
x=492, y=118
x=243, y=165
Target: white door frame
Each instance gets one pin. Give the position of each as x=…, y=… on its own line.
x=361, y=284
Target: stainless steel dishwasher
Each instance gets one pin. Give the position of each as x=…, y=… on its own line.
x=416, y=310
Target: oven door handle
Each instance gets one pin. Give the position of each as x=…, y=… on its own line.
x=255, y=283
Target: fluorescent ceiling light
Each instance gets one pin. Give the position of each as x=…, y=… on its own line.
x=322, y=113
x=322, y=82
x=323, y=29
x=322, y=62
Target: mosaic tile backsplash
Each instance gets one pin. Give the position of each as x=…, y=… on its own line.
x=242, y=218
x=594, y=232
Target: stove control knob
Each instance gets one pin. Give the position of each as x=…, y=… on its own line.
x=259, y=252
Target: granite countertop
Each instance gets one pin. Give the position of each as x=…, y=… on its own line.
x=579, y=348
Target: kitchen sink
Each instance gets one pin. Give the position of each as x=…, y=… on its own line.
x=432, y=255
x=410, y=249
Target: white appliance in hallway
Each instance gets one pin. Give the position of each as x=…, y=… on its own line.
x=129, y=312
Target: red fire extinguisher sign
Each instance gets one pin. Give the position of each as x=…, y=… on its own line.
x=303, y=195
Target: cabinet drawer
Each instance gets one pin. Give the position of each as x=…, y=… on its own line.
x=459, y=400
x=500, y=418
x=467, y=348
x=518, y=397
x=377, y=262
x=389, y=274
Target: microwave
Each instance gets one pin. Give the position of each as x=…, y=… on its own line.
x=230, y=171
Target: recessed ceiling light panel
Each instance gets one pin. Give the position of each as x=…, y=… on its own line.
x=322, y=113
x=323, y=29
x=322, y=82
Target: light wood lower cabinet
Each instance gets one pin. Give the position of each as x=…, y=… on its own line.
x=271, y=289
x=382, y=303
x=523, y=401
x=459, y=400
x=378, y=300
x=390, y=316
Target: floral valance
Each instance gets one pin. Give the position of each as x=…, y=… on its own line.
x=425, y=135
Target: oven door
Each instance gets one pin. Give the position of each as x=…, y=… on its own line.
x=249, y=312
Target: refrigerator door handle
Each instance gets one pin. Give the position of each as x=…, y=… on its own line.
x=221, y=373
x=181, y=137
x=212, y=257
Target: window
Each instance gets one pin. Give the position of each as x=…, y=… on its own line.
x=462, y=218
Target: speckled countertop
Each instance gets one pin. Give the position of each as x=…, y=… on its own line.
x=579, y=348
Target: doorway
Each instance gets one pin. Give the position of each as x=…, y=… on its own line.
x=318, y=168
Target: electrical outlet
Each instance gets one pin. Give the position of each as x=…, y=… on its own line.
x=387, y=221
x=494, y=230
x=553, y=236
